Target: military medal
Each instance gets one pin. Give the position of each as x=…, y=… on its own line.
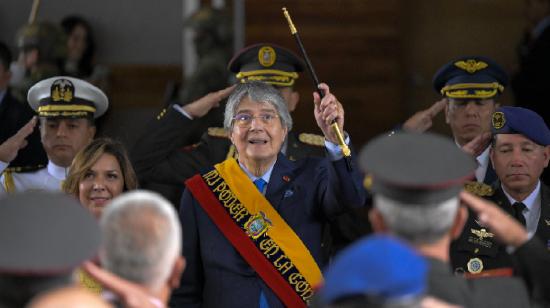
x=475, y=265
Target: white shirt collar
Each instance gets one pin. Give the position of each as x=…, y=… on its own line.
x=483, y=164
x=529, y=201
x=532, y=209
x=56, y=171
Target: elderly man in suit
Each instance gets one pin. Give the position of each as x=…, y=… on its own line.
x=253, y=227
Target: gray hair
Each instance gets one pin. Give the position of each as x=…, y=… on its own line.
x=259, y=92
x=141, y=238
x=417, y=223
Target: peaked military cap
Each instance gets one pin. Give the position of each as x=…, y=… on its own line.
x=43, y=233
x=470, y=78
x=416, y=168
x=378, y=266
x=266, y=62
x=67, y=97
x=518, y=120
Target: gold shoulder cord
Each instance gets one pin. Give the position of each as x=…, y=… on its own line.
x=9, y=185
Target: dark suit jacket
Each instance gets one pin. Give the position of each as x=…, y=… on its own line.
x=13, y=116
x=498, y=292
x=217, y=276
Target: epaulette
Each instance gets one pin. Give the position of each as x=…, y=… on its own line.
x=217, y=132
x=312, y=139
x=23, y=169
x=479, y=189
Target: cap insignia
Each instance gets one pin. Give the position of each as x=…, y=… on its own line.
x=498, y=120
x=267, y=56
x=62, y=90
x=471, y=65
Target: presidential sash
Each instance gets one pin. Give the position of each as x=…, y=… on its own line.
x=257, y=231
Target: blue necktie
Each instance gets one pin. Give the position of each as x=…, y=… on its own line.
x=260, y=184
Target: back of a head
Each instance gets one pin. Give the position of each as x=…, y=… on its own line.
x=46, y=37
x=141, y=238
x=416, y=179
x=44, y=236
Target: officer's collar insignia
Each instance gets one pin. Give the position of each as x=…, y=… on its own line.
x=267, y=56
x=479, y=189
x=498, y=120
x=482, y=233
x=471, y=65
x=257, y=225
x=62, y=90
x=547, y=221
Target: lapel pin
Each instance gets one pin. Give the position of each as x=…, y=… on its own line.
x=286, y=178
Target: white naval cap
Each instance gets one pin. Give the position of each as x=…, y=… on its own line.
x=67, y=97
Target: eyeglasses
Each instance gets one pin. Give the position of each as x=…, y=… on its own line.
x=245, y=120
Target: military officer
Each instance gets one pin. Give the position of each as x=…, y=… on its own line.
x=470, y=87
x=42, y=48
x=519, y=153
x=164, y=154
x=13, y=115
x=66, y=109
x=416, y=198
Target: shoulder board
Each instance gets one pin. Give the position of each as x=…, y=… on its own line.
x=217, y=132
x=479, y=189
x=23, y=169
x=312, y=139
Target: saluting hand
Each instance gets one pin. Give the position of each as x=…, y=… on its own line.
x=423, y=120
x=201, y=106
x=478, y=144
x=327, y=110
x=131, y=294
x=10, y=147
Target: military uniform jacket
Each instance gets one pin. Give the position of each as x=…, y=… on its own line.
x=478, y=242
x=305, y=193
x=13, y=116
x=48, y=179
x=487, y=292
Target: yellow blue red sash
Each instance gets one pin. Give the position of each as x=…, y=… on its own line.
x=258, y=232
